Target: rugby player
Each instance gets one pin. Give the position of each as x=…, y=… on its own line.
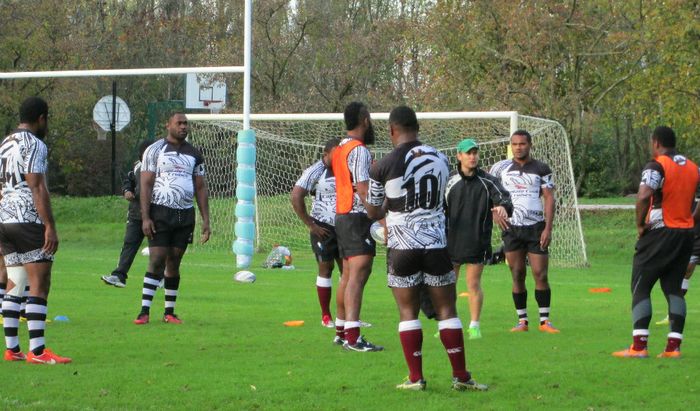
x=172, y=178
x=410, y=182
x=28, y=237
x=528, y=232
x=319, y=181
x=665, y=226
x=350, y=162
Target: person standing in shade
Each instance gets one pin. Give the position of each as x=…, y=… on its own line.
x=528, y=233
x=471, y=197
x=665, y=230
x=172, y=178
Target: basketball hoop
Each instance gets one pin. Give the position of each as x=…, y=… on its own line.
x=214, y=106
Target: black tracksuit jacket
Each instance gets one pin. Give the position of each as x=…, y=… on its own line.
x=468, y=204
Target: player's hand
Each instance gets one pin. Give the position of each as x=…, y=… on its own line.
x=501, y=211
x=319, y=231
x=148, y=228
x=50, y=241
x=206, y=232
x=641, y=230
x=545, y=238
x=129, y=195
x=500, y=217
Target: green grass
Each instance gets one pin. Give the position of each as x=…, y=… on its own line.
x=608, y=200
x=234, y=353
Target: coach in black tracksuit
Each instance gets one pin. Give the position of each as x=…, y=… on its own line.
x=471, y=196
x=133, y=236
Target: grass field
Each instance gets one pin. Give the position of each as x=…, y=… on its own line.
x=233, y=352
x=608, y=200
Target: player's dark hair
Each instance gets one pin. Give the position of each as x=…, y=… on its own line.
x=522, y=132
x=31, y=109
x=355, y=112
x=174, y=113
x=404, y=117
x=331, y=144
x=665, y=136
x=143, y=146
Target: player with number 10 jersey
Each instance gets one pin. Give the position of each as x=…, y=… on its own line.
x=412, y=178
x=409, y=184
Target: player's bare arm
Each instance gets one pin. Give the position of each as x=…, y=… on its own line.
x=297, y=198
x=374, y=212
x=40, y=195
x=202, y=196
x=643, y=202
x=549, y=206
x=362, y=188
x=148, y=178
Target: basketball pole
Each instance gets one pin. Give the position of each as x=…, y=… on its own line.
x=113, y=130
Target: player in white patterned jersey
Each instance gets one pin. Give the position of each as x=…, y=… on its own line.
x=172, y=177
x=319, y=181
x=408, y=186
x=414, y=191
x=528, y=233
x=28, y=236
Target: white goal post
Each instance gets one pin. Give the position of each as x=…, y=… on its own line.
x=288, y=143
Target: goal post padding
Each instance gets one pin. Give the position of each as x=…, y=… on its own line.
x=287, y=144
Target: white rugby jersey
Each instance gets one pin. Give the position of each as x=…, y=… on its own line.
x=175, y=168
x=412, y=178
x=319, y=181
x=525, y=184
x=359, y=162
x=20, y=153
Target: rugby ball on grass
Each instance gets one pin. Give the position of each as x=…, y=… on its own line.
x=377, y=232
x=145, y=251
x=244, y=276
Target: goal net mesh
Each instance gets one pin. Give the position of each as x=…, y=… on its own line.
x=286, y=148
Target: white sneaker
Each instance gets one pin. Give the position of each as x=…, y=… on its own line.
x=327, y=322
x=113, y=280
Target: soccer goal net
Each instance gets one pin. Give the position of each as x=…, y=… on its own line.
x=287, y=144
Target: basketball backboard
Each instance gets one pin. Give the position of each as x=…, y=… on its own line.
x=102, y=113
x=200, y=89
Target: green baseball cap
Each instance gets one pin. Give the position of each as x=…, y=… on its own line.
x=467, y=144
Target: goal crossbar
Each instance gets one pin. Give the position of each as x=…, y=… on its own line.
x=119, y=72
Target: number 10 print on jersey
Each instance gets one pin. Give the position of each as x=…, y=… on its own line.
x=412, y=178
